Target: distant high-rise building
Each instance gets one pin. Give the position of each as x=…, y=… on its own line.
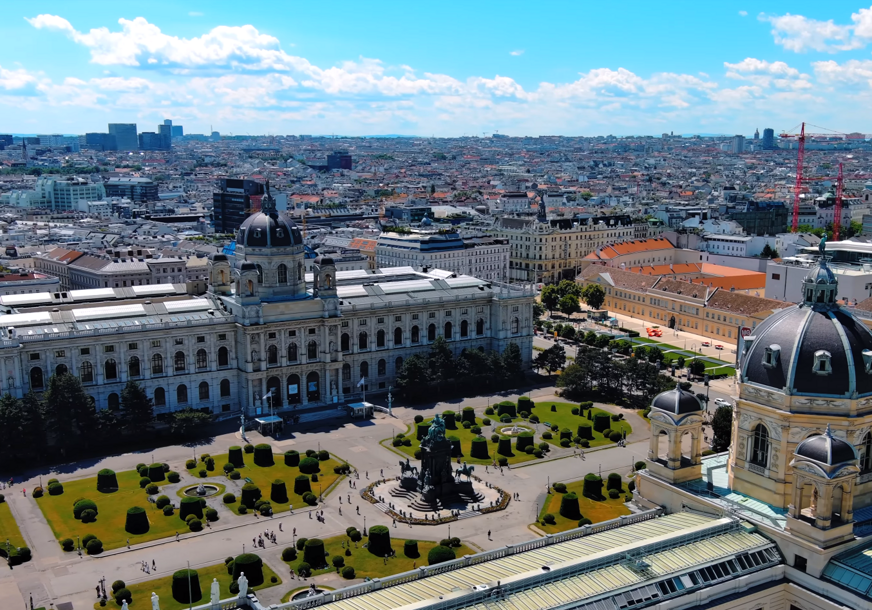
x=756, y=134
x=5, y=140
x=125, y=135
x=768, y=138
x=100, y=141
x=168, y=122
x=166, y=135
x=138, y=190
x=231, y=203
x=149, y=140
x=737, y=145
x=215, y=137
x=339, y=160
x=178, y=131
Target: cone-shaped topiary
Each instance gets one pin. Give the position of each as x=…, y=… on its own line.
x=292, y=458
x=449, y=418
x=422, y=430
x=250, y=495
x=440, y=554
x=455, y=446
x=156, y=473
x=505, y=446
x=585, y=432
x=183, y=582
x=252, y=565
x=468, y=414
x=506, y=408
x=106, y=480
x=379, y=541
x=479, y=448
x=410, y=549
x=565, y=433
x=614, y=481
x=313, y=553
x=302, y=485
x=83, y=505
x=593, y=487
x=310, y=465
x=601, y=421
x=235, y=456
x=525, y=404
x=278, y=492
x=190, y=506
x=525, y=439
x=137, y=520
x=263, y=455
x=569, y=506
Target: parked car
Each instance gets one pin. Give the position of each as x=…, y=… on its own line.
x=719, y=347
x=722, y=403
x=706, y=344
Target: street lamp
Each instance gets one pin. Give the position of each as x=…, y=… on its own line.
x=364, y=525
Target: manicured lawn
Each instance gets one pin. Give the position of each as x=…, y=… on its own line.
x=366, y=564
x=590, y=509
x=8, y=528
x=263, y=476
x=564, y=418
x=141, y=592
x=111, y=512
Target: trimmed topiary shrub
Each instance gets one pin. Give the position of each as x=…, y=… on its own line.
x=379, y=541
x=614, y=481
x=235, y=457
x=263, y=455
x=489, y=411
x=89, y=516
x=565, y=442
x=575, y=410
x=421, y=430
x=183, y=582
x=506, y=408
x=503, y=460
x=525, y=439
x=614, y=494
x=210, y=464
x=478, y=448
x=301, y=543
x=548, y=519
x=440, y=554
x=486, y=421
x=410, y=549
x=118, y=585
x=123, y=595
x=144, y=482
x=348, y=572
x=302, y=485
x=559, y=488
x=173, y=476
x=495, y=438
x=235, y=475
x=292, y=458
x=142, y=469
x=468, y=414
x=601, y=421
x=194, y=524
x=229, y=498
x=248, y=448
x=505, y=446
x=569, y=506
x=631, y=486
x=475, y=429
x=242, y=509
x=82, y=505
x=593, y=487
x=168, y=510
x=313, y=553
x=467, y=425
x=289, y=553
x=106, y=480
x=94, y=547
x=309, y=465
x=137, y=520
x=338, y=561
x=323, y=455
x=584, y=521
x=585, y=432
x=211, y=515
x=450, y=421
x=311, y=453
x=68, y=544
x=640, y=465
x=88, y=538
x=151, y=489
x=156, y=473
x=310, y=498
x=190, y=506
x=419, y=419
x=525, y=404
x=55, y=489
x=455, y=446
x=566, y=433
x=547, y=435
x=37, y=492
x=252, y=565
x=191, y=464
x=606, y=433
x=250, y=495
x=228, y=468
x=615, y=436
x=278, y=492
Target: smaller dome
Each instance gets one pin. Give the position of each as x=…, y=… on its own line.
x=215, y=257
x=248, y=266
x=826, y=449
x=677, y=402
x=820, y=274
x=324, y=260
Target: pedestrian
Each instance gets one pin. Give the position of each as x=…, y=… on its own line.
x=24, y=491
x=358, y=510
x=153, y=565
x=98, y=591
x=177, y=536
x=280, y=527
x=295, y=531
x=292, y=573
x=488, y=534
x=414, y=564
x=367, y=474
x=128, y=543
x=340, y=511
x=382, y=472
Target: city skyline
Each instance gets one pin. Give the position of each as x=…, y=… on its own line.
x=461, y=70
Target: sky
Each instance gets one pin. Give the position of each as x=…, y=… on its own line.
x=436, y=69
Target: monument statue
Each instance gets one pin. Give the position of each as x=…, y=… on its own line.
x=201, y=490
x=243, y=586
x=215, y=596
x=822, y=245
x=435, y=433
x=124, y=606
x=155, y=601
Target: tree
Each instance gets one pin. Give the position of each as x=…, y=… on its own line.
x=69, y=411
x=185, y=421
x=472, y=364
x=441, y=361
x=21, y=428
x=722, y=428
x=769, y=252
x=568, y=305
x=538, y=310
x=552, y=359
x=566, y=287
x=414, y=375
x=602, y=341
x=550, y=297
x=696, y=367
x=513, y=363
x=589, y=338
x=679, y=362
x=137, y=407
x=568, y=332
x=655, y=354
x=594, y=296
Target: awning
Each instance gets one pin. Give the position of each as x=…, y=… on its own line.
x=272, y=419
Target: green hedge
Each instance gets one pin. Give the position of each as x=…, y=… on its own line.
x=183, y=581
x=505, y=446
x=379, y=541
x=235, y=456
x=190, y=506
x=566, y=433
x=309, y=465
x=524, y=440
x=601, y=421
x=251, y=565
x=440, y=554
x=468, y=414
x=106, y=480
x=156, y=473
x=479, y=448
x=302, y=484
x=593, y=487
x=585, y=431
x=410, y=549
x=569, y=506
x=614, y=481
x=525, y=404
x=506, y=408
x=313, y=553
x=263, y=455
x=278, y=492
x=292, y=458
x=137, y=520
x=250, y=495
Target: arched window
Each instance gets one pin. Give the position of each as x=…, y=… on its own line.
x=380, y=338
x=259, y=274
x=398, y=336
x=86, y=372
x=110, y=369
x=364, y=369
x=866, y=454
x=182, y=394
x=133, y=368
x=382, y=369
x=61, y=369
x=272, y=355
x=398, y=365
x=516, y=326
x=416, y=335
x=449, y=328
x=250, y=288
x=479, y=327
x=313, y=387
x=202, y=359
x=431, y=332
x=346, y=377
x=179, y=362
x=113, y=402
x=362, y=341
x=760, y=446
x=204, y=390
x=292, y=352
x=283, y=274
x=160, y=397
x=345, y=342
x=223, y=356
x=36, y=382
x=464, y=329
x=312, y=350
x=294, y=389
x=274, y=384
x=224, y=388
x=157, y=367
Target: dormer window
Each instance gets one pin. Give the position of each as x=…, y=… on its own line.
x=256, y=233
x=823, y=363
x=280, y=233
x=771, y=355
x=867, y=360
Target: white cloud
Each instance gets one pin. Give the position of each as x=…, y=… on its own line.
x=765, y=74
x=852, y=72
x=517, y=53
x=800, y=34
x=743, y=13
x=17, y=81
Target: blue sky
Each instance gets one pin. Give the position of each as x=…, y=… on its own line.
x=444, y=69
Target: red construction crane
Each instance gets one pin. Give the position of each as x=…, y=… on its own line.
x=840, y=190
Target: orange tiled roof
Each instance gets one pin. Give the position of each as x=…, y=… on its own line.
x=629, y=247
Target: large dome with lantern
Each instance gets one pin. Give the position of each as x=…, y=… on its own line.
x=269, y=228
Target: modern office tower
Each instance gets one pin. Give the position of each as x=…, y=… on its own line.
x=5, y=140
x=125, y=135
x=178, y=131
x=338, y=160
x=232, y=202
x=737, y=145
x=756, y=134
x=769, y=138
x=149, y=140
x=138, y=190
x=215, y=137
x=166, y=135
x=100, y=141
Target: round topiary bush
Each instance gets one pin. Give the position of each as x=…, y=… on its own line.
x=506, y=408
x=228, y=468
x=355, y=536
x=310, y=498
x=379, y=541
x=229, y=498
x=278, y=492
x=478, y=448
x=194, y=524
x=419, y=419
x=292, y=458
x=495, y=438
x=252, y=565
x=289, y=553
x=137, y=520
x=94, y=547
x=211, y=515
x=68, y=544
x=123, y=595
x=547, y=435
x=467, y=425
x=584, y=521
x=455, y=446
x=89, y=516
x=489, y=411
x=450, y=421
x=505, y=446
x=88, y=538
x=440, y=554
x=314, y=554
x=235, y=475
x=323, y=455
x=55, y=489
x=468, y=414
x=118, y=585
x=156, y=473
x=144, y=482
x=242, y=509
x=152, y=489
x=475, y=429
x=529, y=450
x=311, y=453
x=263, y=455
x=549, y=519
x=538, y=452
x=614, y=494
x=569, y=506
x=503, y=461
x=525, y=439
x=309, y=465
x=631, y=486
x=560, y=488
x=190, y=506
x=302, y=485
x=640, y=465
x=410, y=549
x=615, y=436
x=191, y=464
x=235, y=457
x=585, y=431
x=183, y=582
x=37, y=492
x=106, y=480
x=338, y=561
x=614, y=481
x=250, y=495
x=606, y=433
x=565, y=442
x=575, y=410
x=248, y=448
x=593, y=487
x=142, y=469
x=565, y=433
x=173, y=476
x=348, y=572
x=82, y=505
x=301, y=543
x=486, y=421
x=168, y=510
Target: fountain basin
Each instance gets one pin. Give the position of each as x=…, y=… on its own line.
x=209, y=490
x=511, y=431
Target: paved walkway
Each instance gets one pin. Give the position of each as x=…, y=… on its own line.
x=57, y=576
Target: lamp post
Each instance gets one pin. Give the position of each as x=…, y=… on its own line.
x=364, y=525
x=390, y=400
x=190, y=597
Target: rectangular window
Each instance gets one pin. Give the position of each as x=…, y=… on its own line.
x=269, y=335
x=85, y=351
x=448, y=314
x=179, y=341
x=414, y=316
x=479, y=310
x=380, y=320
x=34, y=356
x=431, y=315
x=398, y=318
x=292, y=333
x=202, y=339
x=344, y=323
x=59, y=353
x=133, y=346
x=776, y=276
x=222, y=337
x=109, y=348
x=311, y=331
x=464, y=311
x=362, y=322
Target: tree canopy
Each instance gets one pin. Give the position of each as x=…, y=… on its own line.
x=593, y=295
